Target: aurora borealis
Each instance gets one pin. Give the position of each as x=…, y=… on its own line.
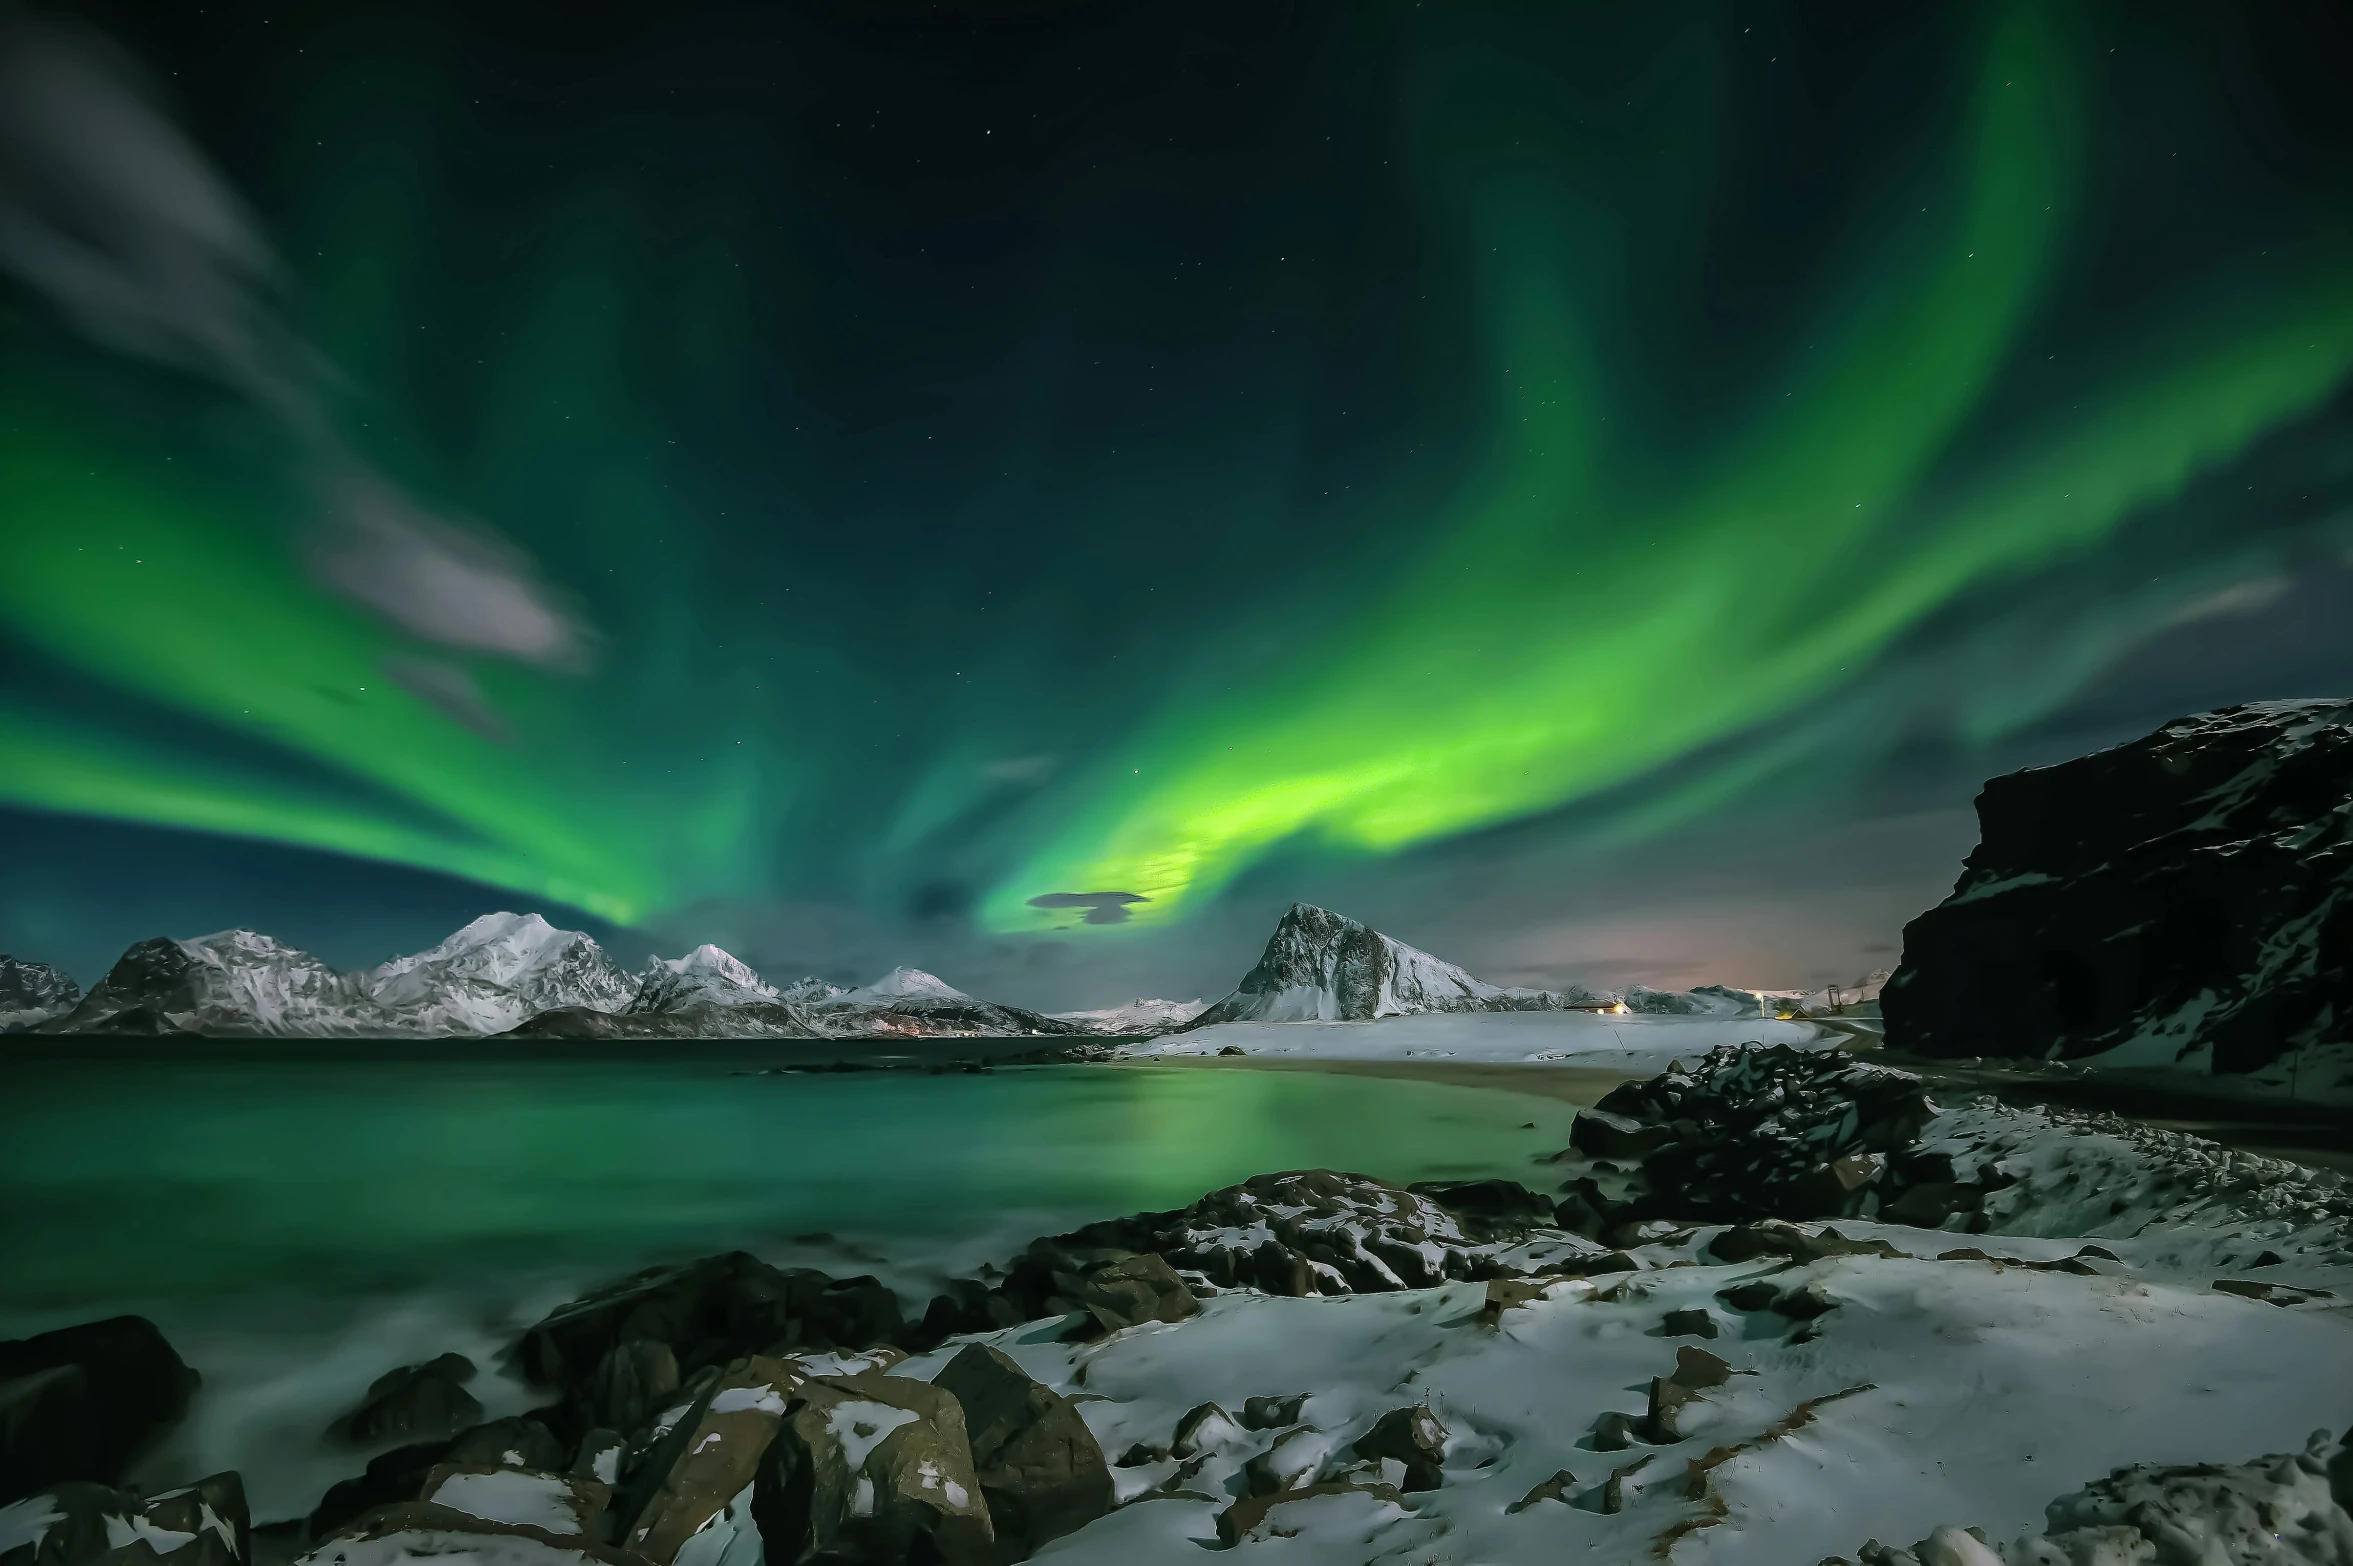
x=950, y=465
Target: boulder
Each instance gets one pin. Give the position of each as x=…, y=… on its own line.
x=699, y=1475
x=1040, y=1468
x=708, y=1312
x=1131, y=1290
x=400, y=1474
x=2187, y=892
x=82, y=1402
x=1296, y=1460
x=1556, y=1488
x=1696, y=1370
x=633, y=1382
x=1201, y=1427
x=414, y=1402
x=1488, y=1210
x=1268, y=1412
x=872, y=1469
x=1414, y=1437
x=1614, y=1432
x=1696, y=1322
x=600, y=1456
x=203, y=1524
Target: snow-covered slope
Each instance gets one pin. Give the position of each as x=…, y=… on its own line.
x=900, y=984
x=1137, y=1016
x=33, y=992
x=704, y=976
x=1320, y=966
x=907, y=1002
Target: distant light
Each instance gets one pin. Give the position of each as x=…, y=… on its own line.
x=1619, y=1008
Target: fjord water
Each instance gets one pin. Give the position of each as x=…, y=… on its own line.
x=299, y=1218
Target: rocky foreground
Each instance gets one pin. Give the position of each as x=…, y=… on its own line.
x=1778, y=1304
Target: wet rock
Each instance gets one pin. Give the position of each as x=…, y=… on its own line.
x=1695, y=1322
x=506, y=1443
x=2189, y=886
x=1267, y=1412
x=83, y=1402
x=559, y=1504
x=1040, y=1468
x=1600, y=1134
x=414, y=1402
x=700, y=1473
x=203, y=1524
x=1414, y=1437
x=707, y=1312
x=873, y=1469
x=1254, y=1516
x=632, y=1383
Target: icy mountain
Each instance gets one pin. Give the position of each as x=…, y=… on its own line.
x=907, y=1002
x=33, y=992
x=1322, y=967
x=704, y=976
x=1137, y=1016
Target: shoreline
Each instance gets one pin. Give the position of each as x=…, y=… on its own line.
x=1583, y=1086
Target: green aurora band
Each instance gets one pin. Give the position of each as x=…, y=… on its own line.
x=1600, y=587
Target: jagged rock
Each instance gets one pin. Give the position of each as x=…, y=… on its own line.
x=1696, y=1370
x=1771, y=1131
x=1488, y=1210
x=1413, y=1436
x=708, y=1312
x=872, y=1469
x=632, y=1383
x=1252, y=1516
x=600, y=1456
x=1770, y=1237
x=699, y=1474
x=203, y=1524
x=2192, y=888
x=82, y=1402
x=1754, y=1295
x=1614, y=1432
x=1696, y=1322
x=415, y=1401
x=399, y=1475
x=561, y=1504
x=520, y=1442
x=1267, y=1412
x=1040, y=1468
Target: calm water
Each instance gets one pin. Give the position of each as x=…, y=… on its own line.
x=299, y=1219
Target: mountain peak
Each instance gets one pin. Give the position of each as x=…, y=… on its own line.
x=907, y=984
x=707, y=974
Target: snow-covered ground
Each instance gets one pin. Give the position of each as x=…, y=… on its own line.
x=1631, y=1040
x=1966, y=1392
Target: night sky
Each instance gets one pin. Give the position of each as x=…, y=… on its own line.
x=1032, y=489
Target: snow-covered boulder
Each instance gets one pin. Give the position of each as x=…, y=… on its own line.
x=33, y=992
x=201, y=1524
x=1320, y=966
x=2184, y=898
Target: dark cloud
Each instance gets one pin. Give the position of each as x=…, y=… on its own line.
x=1101, y=907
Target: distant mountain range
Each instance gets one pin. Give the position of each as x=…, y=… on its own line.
x=518, y=976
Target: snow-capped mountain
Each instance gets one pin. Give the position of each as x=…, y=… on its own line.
x=901, y=984
x=234, y=982
x=1323, y=967
x=1137, y=1016
x=493, y=973
x=704, y=976
x=33, y=992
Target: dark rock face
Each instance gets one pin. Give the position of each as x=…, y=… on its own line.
x=707, y=1312
x=2194, y=887
x=80, y=1403
x=1323, y=965
x=155, y=977
x=1039, y=1467
x=416, y=1402
x=872, y=1469
x=704, y=1020
x=34, y=989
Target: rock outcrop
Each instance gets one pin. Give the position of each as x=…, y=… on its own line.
x=83, y=1402
x=1040, y=1469
x=201, y=1524
x=2184, y=897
